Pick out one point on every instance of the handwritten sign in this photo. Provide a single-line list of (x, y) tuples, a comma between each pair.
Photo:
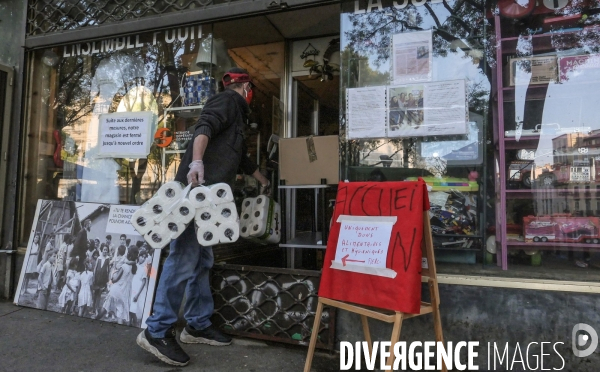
[(367, 112), (390, 276), (119, 219), (125, 134), (363, 245)]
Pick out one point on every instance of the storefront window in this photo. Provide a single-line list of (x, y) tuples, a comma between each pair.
[(415, 104), (516, 189), (108, 120), (547, 72)]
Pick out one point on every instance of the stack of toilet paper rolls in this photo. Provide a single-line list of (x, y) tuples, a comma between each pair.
[(167, 213), (216, 216), (164, 216), (260, 220)]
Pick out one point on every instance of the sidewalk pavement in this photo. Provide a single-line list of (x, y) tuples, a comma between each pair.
[(36, 340)]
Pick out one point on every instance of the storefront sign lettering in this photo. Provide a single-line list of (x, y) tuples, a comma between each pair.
[(381, 4), (134, 41)]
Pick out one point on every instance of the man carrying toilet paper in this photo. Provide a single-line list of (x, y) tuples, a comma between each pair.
[(218, 151)]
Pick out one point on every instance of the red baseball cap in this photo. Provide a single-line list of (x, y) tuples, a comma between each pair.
[(233, 77)]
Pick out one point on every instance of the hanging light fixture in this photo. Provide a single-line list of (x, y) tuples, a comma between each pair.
[(207, 54), (213, 56)]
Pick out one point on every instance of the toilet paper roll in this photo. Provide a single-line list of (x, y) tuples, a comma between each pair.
[(220, 193), (206, 216), (184, 211), (226, 212), (246, 217), (261, 202), (157, 206), (207, 234), (200, 197), (245, 229), (257, 228), (261, 208), (174, 225), (142, 220), (158, 237), (248, 204), (229, 232), (170, 191)]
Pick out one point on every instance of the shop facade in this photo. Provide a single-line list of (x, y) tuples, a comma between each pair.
[(492, 104)]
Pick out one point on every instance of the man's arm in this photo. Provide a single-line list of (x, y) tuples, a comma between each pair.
[(200, 143), (260, 178), (196, 174)]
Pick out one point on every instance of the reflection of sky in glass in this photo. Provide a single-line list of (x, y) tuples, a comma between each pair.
[(571, 104), (455, 65)]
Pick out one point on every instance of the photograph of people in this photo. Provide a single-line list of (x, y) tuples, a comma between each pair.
[(406, 114), (72, 273)]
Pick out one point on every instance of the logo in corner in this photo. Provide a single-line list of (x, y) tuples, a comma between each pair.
[(583, 335)]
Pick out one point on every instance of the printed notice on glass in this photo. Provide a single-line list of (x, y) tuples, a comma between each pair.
[(412, 57), (428, 109), (367, 112), (363, 245), (125, 134)]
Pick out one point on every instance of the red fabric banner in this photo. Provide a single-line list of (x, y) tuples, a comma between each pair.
[(407, 201)]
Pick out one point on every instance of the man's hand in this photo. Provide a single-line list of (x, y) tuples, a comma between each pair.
[(195, 176), (266, 189)]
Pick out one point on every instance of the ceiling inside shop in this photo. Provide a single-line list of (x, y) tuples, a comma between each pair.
[(257, 44)]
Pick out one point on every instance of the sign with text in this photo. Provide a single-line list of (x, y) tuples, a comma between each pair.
[(125, 134), (365, 229), (63, 230), (119, 219), (363, 245)]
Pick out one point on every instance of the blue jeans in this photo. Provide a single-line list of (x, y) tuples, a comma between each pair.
[(186, 270)]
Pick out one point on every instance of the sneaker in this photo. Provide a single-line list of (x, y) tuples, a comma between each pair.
[(210, 336), (166, 349)]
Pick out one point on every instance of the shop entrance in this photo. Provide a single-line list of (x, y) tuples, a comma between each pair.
[(293, 58)]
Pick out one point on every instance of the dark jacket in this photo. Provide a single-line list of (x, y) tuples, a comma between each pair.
[(79, 248), (101, 273), (222, 120)]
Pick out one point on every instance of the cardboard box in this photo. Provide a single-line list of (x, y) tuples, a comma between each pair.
[(296, 168), (543, 70)]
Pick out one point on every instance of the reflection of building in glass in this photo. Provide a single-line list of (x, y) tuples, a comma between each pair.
[(571, 183)]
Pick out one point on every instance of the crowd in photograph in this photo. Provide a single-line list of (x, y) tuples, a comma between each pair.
[(406, 109), (102, 279)]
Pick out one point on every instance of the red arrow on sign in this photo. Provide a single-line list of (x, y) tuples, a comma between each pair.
[(345, 258)]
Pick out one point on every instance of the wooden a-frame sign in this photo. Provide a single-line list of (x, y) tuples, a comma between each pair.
[(384, 311)]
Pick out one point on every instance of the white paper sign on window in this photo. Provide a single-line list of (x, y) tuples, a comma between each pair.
[(367, 112), (363, 245), (412, 57), (125, 134), (428, 109)]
